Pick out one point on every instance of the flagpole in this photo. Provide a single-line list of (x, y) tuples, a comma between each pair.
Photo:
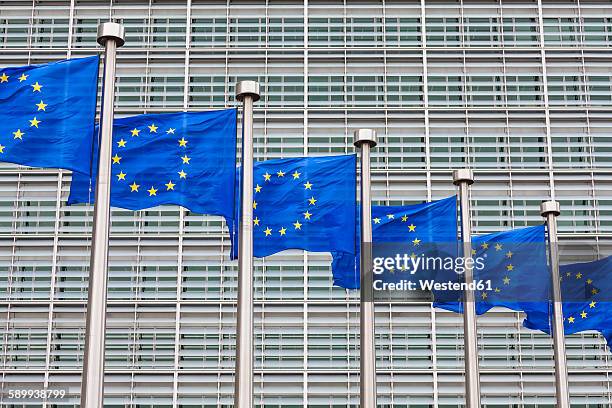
[(111, 36), (550, 210), (365, 139), (247, 92), (463, 178)]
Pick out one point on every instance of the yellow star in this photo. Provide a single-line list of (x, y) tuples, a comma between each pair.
[(296, 175), (121, 143), (308, 185), (510, 267), (404, 218), (280, 173), (509, 254), (257, 188), (152, 128), (256, 221), (283, 231), (484, 295), (135, 132), (312, 201), (297, 225), (376, 220), (497, 290), (589, 281), (182, 142), (37, 87), (182, 174), (473, 252), (170, 131), (411, 228), (186, 159), (594, 291), (307, 215), (41, 106), (498, 247), (254, 205), (116, 159), (22, 78), (571, 319), (390, 216), (578, 275), (134, 187), (34, 122), (268, 231), (121, 176), (485, 246), (18, 134), (267, 176), (170, 185), (592, 304), (416, 242), (506, 280), (152, 191), (568, 274), (2, 149), (4, 78), (583, 314)]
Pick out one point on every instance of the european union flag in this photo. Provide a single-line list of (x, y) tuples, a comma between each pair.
[(586, 289), (302, 203), (184, 158), (418, 226), (512, 270), (48, 112)]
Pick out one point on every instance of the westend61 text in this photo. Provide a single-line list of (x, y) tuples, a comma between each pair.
[(430, 284)]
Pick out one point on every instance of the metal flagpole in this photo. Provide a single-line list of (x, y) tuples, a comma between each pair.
[(366, 139), (111, 35), (464, 178), (550, 211), (247, 92)]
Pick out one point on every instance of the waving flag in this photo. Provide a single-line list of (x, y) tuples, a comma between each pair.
[(302, 203), (427, 225), (513, 270), (47, 114), (183, 158), (587, 302)]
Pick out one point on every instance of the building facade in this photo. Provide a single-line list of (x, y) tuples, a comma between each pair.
[(521, 91)]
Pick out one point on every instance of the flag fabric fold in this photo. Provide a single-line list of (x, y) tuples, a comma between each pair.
[(183, 158), (48, 113), (302, 203)]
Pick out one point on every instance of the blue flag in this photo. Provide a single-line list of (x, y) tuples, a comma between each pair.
[(47, 114), (302, 203), (587, 303), (512, 270), (430, 225), (184, 158)]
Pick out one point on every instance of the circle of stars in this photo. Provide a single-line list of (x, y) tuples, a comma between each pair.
[(591, 290), (151, 130), (300, 220), (509, 267), (41, 107)]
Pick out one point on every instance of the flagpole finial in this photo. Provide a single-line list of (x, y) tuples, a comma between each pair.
[(365, 136), (550, 207), (111, 31), (463, 176), (245, 88)]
